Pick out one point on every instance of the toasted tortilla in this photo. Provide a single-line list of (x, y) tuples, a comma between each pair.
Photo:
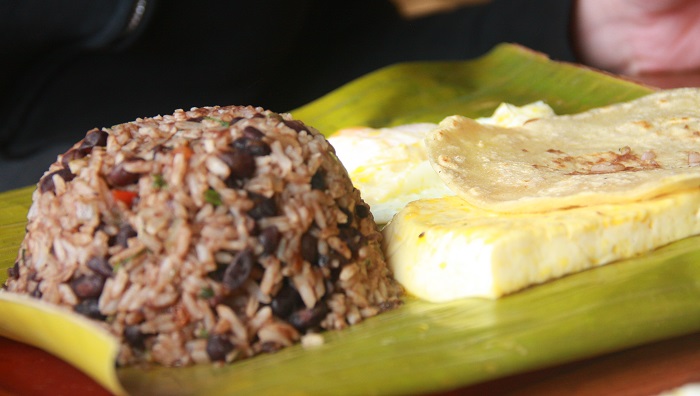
[(615, 154)]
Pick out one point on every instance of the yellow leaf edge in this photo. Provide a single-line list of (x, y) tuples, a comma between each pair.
[(77, 340)]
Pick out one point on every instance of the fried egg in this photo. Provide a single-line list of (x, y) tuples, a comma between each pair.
[(455, 247)]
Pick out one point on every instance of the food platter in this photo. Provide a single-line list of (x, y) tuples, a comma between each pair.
[(421, 347)]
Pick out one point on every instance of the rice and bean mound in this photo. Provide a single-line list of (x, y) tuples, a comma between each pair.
[(208, 235)]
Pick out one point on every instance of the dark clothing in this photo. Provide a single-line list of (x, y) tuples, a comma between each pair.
[(69, 66)]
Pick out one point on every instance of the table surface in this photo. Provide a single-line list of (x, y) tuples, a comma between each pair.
[(644, 370)]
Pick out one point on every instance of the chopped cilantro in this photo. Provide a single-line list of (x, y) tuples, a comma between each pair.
[(126, 260), (206, 292), (222, 122), (213, 197), (202, 333), (159, 182)]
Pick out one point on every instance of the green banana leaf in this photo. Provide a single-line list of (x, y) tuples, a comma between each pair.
[(425, 347), (430, 91)]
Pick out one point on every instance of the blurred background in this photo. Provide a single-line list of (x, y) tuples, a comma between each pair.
[(60, 83)]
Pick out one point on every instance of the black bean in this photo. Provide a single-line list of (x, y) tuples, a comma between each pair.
[(94, 138), (134, 337), (286, 301), (124, 234), (218, 346), (296, 125), (218, 273), (330, 285), (100, 266), (224, 258), (269, 239), (88, 286), (352, 237), (263, 206), (119, 177), (361, 210), (234, 183), (324, 260), (309, 248), (196, 119), (71, 155), (252, 133), (309, 318), (240, 143), (254, 147), (270, 347), (46, 184), (36, 293), (252, 226), (239, 270), (90, 308), (318, 180), (13, 272), (235, 120), (258, 148), (241, 164)]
